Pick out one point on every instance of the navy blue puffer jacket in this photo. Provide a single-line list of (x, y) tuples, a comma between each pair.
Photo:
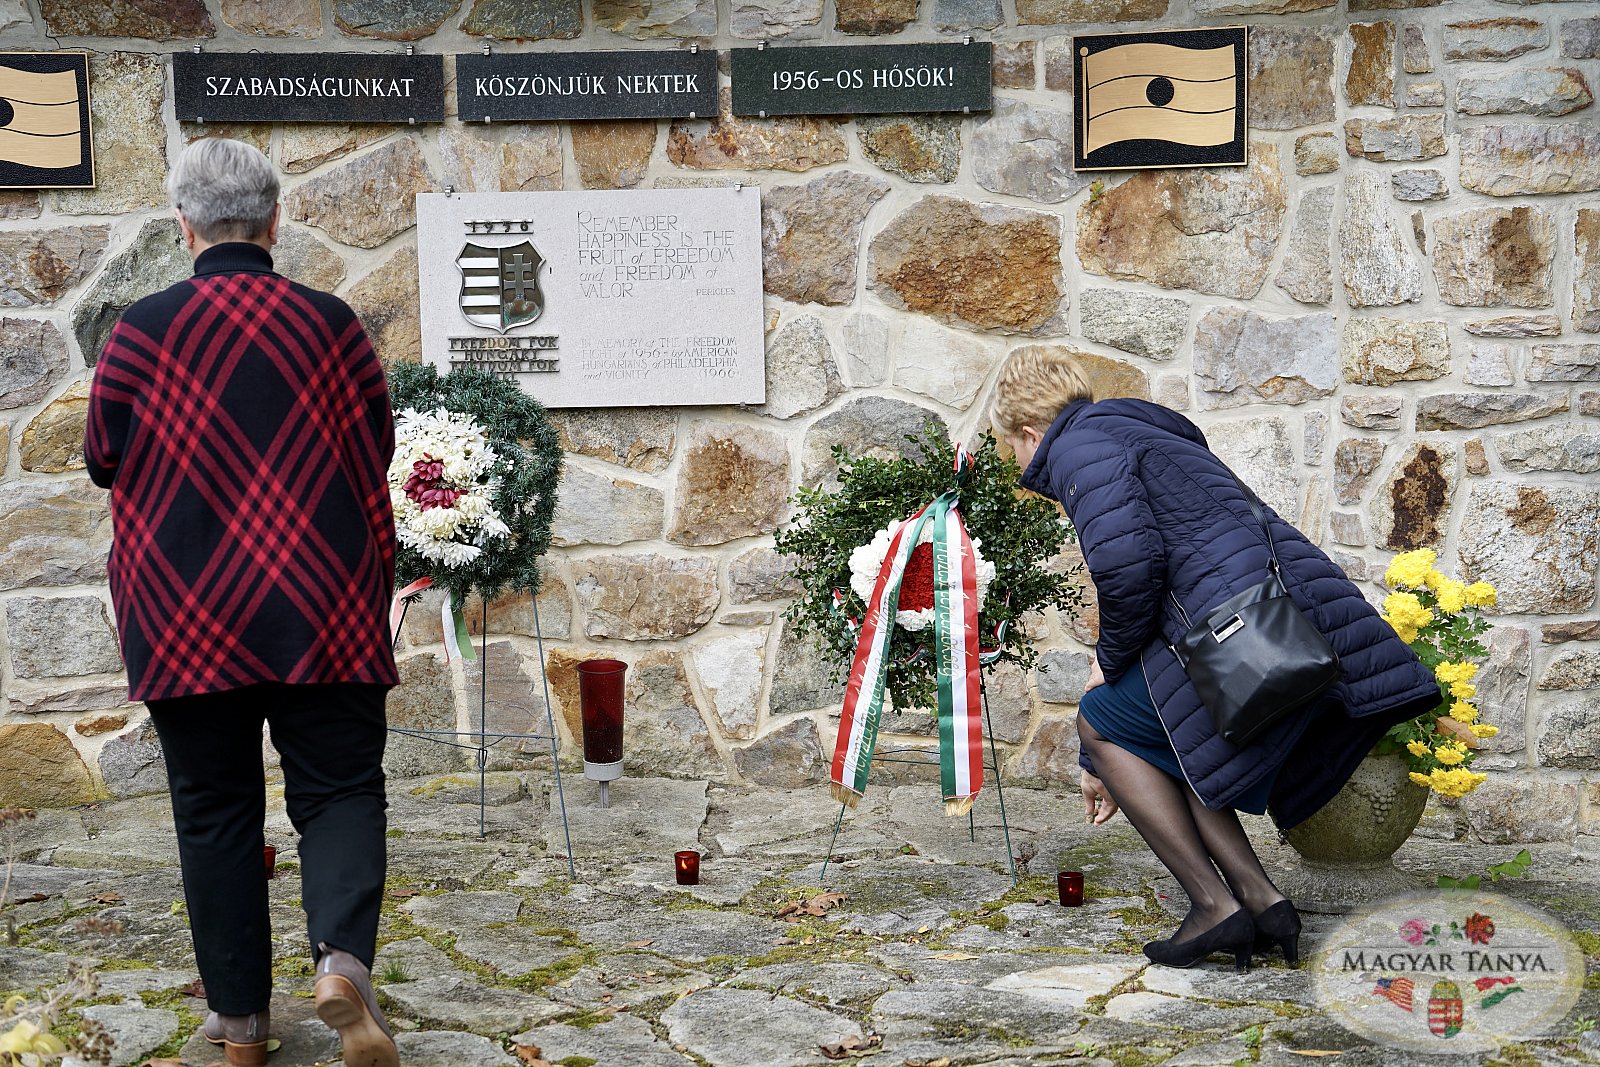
[(1157, 514)]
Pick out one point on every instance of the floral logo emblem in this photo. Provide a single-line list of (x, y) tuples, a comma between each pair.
[(1449, 971)]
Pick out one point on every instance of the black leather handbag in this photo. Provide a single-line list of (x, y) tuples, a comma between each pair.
[(1255, 659)]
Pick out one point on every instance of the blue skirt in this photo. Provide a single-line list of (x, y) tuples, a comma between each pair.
[(1123, 713)]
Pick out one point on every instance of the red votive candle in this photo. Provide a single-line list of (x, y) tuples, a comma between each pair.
[(600, 683), (1069, 886), (686, 865), (269, 855)]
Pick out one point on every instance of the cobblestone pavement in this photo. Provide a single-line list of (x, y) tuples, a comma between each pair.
[(931, 958)]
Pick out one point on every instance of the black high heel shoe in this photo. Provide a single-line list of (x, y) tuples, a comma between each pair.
[(1236, 935), (1279, 925)]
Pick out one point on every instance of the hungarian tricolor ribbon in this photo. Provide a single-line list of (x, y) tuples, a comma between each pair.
[(957, 654), (457, 641), (397, 606)]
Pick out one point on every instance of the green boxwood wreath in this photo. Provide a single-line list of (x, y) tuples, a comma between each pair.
[(1021, 534), (529, 468)]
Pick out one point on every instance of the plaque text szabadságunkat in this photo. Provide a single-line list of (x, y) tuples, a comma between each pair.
[(308, 87)]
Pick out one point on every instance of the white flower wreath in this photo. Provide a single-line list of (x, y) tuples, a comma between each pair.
[(442, 482), (867, 560)]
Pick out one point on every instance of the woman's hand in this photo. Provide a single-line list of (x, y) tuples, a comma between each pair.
[(1096, 678), (1098, 806)]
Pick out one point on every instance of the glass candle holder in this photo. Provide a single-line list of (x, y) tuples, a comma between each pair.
[(686, 866), (269, 856), (600, 685), (1069, 887)]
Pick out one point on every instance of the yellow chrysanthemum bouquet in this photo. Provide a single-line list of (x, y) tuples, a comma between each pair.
[(1439, 618)]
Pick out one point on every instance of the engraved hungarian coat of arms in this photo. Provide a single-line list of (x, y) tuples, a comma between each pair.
[(500, 286)]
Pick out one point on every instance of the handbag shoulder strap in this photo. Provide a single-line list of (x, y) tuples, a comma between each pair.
[(1260, 515), (1266, 528)]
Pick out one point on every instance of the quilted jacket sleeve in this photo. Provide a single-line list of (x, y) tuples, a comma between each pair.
[(1096, 477)]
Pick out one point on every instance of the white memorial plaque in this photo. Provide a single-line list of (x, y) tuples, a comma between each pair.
[(598, 299)]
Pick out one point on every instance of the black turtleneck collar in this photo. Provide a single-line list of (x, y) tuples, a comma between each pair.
[(233, 257)]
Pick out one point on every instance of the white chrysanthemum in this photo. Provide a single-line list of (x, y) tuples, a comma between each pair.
[(867, 560), (453, 536)]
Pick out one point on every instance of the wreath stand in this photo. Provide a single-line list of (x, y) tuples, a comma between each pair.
[(479, 742), (992, 765)]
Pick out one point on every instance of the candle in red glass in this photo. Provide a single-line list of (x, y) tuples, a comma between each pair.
[(600, 696), (269, 855), (686, 865), (1069, 886)]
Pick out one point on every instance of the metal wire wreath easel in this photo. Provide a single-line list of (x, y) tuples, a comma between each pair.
[(482, 739), (891, 755)]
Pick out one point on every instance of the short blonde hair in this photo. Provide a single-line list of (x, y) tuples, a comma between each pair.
[(1035, 384)]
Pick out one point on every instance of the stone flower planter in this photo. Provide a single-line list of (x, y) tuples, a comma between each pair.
[(1346, 849)]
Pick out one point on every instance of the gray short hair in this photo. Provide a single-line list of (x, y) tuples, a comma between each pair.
[(225, 189)]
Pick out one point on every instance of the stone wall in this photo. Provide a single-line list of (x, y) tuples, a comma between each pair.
[(1389, 321)]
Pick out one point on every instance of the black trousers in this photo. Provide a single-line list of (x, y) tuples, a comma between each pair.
[(331, 739)]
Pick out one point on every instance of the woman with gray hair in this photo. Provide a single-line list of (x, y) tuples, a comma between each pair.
[(241, 422)]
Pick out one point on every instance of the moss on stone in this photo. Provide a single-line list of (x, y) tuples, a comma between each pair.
[(553, 973)]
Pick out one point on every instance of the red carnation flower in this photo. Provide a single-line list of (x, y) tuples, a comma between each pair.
[(916, 587)]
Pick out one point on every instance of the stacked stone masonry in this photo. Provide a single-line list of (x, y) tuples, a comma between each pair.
[(1389, 320)]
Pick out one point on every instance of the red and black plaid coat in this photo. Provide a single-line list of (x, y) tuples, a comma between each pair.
[(241, 422)]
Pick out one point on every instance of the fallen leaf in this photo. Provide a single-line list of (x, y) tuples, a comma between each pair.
[(820, 904), (401, 894), (108, 897), (639, 944), (34, 899), (1459, 730), (851, 1046), (956, 956), (196, 989), (1319, 1052), (530, 1055), (924, 929)]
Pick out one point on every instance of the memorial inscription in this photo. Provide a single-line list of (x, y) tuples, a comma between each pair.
[(585, 298), (862, 79), (307, 87), (561, 86)]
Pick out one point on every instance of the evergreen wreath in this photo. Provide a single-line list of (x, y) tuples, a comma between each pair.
[(526, 470), (1020, 532)]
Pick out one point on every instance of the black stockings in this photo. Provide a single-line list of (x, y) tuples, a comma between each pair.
[(1189, 838)]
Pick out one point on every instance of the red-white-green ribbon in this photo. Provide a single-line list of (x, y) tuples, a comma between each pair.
[(457, 640), (957, 656), (397, 606)]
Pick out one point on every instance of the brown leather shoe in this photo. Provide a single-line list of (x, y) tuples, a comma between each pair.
[(242, 1037), (346, 1003)]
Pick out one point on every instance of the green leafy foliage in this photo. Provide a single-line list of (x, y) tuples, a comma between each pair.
[(1020, 535), (528, 467), (1515, 867)]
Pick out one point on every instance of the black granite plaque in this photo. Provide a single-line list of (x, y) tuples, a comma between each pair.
[(46, 133), (555, 86), (307, 87), (862, 79), (1160, 98)]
